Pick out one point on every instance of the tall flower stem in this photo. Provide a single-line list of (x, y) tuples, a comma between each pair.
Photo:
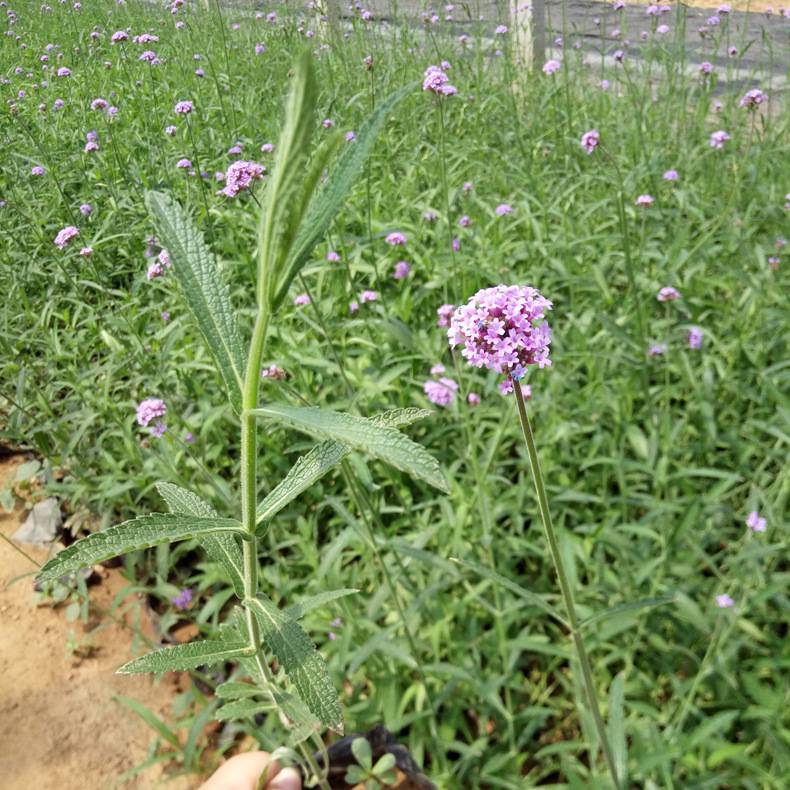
[(562, 578), (249, 453)]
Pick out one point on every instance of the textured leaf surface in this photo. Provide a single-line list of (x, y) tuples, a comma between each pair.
[(206, 294), (182, 657), (297, 611), (139, 533), (301, 662), (243, 709), (222, 549), (327, 202), (382, 442), (321, 459)]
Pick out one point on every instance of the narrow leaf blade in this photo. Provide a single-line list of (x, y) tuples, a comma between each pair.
[(627, 607), (382, 442), (206, 653), (301, 662), (206, 294), (139, 533), (298, 611)]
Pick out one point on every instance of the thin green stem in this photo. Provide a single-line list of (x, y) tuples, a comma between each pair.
[(562, 577)]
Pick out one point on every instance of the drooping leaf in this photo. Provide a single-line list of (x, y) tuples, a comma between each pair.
[(382, 442), (142, 532), (300, 661), (206, 653), (328, 201), (627, 607), (298, 611), (206, 294), (321, 459), (502, 581), (222, 549)]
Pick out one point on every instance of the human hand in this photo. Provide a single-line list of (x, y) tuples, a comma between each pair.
[(243, 772)]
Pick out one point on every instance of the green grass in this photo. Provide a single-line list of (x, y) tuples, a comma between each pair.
[(651, 464)]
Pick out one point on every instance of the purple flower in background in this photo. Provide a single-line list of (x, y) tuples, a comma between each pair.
[(165, 316), (267, 148), (368, 296), (668, 294), (590, 140), (333, 257), (350, 137), (240, 177), (150, 409), (301, 300), (503, 328), (694, 337), (501, 30), (274, 373), (437, 369), (327, 123), (58, 104), (64, 72), (189, 437), (65, 236), (353, 307), (551, 66), (717, 139), (86, 252), (184, 164), (183, 108), (645, 201), (198, 72), (445, 313), (671, 175), (456, 245), (154, 270), (396, 239), (753, 99), (441, 392), (37, 170), (170, 131), (473, 399), (183, 599), (159, 429), (260, 49), (119, 36), (619, 56), (402, 270), (436, 81), (724, 601), (432, 216), (99, 104), (465, 221), (755, 522), (657, 350), (468, 186), (706, 68), (503, 209)]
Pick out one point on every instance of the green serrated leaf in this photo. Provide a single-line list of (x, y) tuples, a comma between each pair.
[(142, 532), (502, 581), (242, 709), (206, 294), (234, 689), (301, 662), (382, 442), (321, 459), (177, 658), (298, 611), (222, 549), (328, 201)]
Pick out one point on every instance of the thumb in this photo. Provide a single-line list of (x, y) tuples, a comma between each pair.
[(287, 779)]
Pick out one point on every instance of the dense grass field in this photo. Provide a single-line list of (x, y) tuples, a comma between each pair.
[(661, 425)]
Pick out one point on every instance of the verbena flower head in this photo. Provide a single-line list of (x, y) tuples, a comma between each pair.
[(590, 140), (301, 300), (724, 601), (65, 236), (402, 270), (473, 399), (694, 337), (149, 410), (183, 108), (668, 294), (717, 139), (119, 36), (657, 350), (706, 67), (502, 328), (441, 392), (645, 201), (671, 175), (503, 209), (436, 81), (551, 66), (37, 170), (753, 99), (183, 599), (240, 177), (445, 313), (368, 296), (396, 239), (755, 522), (184, 164)]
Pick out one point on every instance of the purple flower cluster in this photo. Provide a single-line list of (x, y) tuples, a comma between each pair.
[(441, 392), (668, 294), (590, 140), (502, 328), (65, 236), (183, 599), (150, 409), (436, 81), (240, 177), (753, 99)]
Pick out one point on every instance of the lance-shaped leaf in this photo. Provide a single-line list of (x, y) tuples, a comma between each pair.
[(382, 442), (206, 653), (321, 459), (206, 294), (223, 549), (298, 610), (301, 662), (139, 533), (613, 611), (328, 201)]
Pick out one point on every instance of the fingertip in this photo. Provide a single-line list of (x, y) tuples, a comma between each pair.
[(286, 779)]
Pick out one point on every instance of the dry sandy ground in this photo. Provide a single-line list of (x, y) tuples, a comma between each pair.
[(59, 726)]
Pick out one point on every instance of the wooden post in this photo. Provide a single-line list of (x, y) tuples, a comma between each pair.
[(538, 25), (528, 28)]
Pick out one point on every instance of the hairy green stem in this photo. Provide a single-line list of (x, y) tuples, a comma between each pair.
[(562, 578)]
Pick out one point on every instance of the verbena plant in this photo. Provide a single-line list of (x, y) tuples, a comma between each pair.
[(296, 214)]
